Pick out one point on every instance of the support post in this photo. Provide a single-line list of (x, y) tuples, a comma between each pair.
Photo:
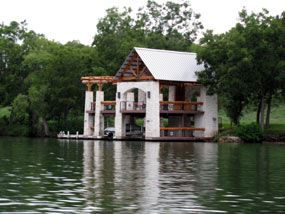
[(99, 118), (171, 93), (119, 115), (88, 118), (152, 111)]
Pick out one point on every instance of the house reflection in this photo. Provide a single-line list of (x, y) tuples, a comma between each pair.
[(128, 177), (121, 173)]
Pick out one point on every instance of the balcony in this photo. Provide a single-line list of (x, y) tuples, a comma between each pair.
[(109, 107), (132, 107), (178, 131), (180, 107)]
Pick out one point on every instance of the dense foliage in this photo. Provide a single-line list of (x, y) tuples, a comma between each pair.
[(40, 79), (40, 88), (251, 133), (246, 64)]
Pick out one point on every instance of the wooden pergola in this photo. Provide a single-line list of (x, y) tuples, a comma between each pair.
[(99, 80)]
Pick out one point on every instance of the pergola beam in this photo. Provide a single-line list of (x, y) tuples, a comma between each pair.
[(99, 80)]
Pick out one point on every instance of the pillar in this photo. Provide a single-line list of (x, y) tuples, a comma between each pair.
[(171, 93), (88, 118), (208, 120), (161, 118), (119, 115), (99, 118), (152, 110), (173, 121)]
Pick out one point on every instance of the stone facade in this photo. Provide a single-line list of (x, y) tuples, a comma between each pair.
[(148, 93), (208, 120), (88, 119), (99, 118)]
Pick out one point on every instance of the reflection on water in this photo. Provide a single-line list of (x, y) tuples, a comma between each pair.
[(54, 176)]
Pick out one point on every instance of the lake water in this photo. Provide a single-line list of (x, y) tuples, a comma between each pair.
[(61, 176)]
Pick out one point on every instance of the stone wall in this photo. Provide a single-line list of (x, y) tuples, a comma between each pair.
[(152, 120)]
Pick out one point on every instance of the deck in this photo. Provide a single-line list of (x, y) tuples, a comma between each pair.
[(136, 138)]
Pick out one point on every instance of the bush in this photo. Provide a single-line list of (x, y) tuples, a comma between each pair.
[(216, 138), (251, 133)]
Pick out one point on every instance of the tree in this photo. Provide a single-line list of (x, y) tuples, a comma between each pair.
[(15, 43), (54, 87), (177, 23), (244, 62), (171, 26)]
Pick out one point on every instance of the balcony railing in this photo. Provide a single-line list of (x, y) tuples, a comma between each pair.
[(133, 106), (109, 105), (180, 106), (178, 131)]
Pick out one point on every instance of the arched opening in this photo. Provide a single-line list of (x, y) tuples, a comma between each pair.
[(134, 106)]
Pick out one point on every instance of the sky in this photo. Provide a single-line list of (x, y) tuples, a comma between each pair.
[(68, 20)]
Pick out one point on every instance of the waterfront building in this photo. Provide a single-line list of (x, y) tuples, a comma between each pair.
[(159, 88)]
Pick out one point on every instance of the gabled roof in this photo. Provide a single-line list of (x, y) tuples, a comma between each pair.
[(164, 65)]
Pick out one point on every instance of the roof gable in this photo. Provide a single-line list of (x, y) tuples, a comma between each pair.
[(160, 64)]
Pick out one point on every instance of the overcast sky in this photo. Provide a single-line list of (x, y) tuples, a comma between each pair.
[(67, 20)]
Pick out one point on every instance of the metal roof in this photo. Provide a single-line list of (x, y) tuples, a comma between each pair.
[(168, 65)]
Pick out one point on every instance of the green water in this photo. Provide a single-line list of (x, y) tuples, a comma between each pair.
[(53, 176)]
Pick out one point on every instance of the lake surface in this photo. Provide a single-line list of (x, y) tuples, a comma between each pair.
[(61, 176)]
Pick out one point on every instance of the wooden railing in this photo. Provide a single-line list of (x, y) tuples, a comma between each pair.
[(109, 105), (126, 105), (113, 103), (178, 131), (179, 105), (181, 128)]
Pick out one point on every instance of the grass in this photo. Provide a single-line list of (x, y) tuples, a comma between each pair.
[(277, 118)]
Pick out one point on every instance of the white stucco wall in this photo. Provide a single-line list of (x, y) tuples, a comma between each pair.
[(130, 100), (208, 120), (141, 96), (88, 118)]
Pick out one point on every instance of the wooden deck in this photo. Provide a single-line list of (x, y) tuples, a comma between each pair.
[(137, 138), (167, 112)]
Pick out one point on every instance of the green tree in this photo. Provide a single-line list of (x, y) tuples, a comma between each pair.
[(15, 43), (171, 26), (54, 86), (20, 106), (245, 63)]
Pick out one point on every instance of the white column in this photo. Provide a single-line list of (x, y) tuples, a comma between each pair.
[(171, 93), (161, 118), (99, 118), (88, 118), (119, 115), (208, 120), (152, 111)]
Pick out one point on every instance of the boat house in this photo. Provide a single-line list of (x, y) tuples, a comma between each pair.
[(158, 88)]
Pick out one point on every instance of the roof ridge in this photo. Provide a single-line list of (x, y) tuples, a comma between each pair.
[(169, 51)]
